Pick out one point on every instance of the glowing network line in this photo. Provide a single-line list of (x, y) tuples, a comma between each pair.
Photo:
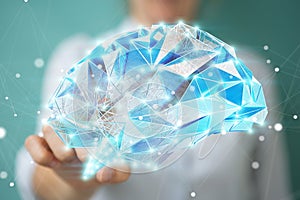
[(142, 98)]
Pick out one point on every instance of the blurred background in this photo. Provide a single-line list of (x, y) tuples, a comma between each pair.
[(30, 30)]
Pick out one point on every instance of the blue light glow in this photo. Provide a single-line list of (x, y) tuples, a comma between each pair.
[(144, 97)]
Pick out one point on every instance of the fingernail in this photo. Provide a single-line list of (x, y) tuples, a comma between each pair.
[(107, 174)]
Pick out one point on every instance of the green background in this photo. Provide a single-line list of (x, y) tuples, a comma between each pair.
[(32, 30)]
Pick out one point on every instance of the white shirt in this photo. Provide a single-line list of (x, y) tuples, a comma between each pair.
[(219, 167)]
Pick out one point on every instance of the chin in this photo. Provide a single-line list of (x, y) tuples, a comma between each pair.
[(168, 18)]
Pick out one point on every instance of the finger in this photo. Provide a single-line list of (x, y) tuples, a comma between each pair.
[(81, 154), (40, 151), (60, 151), (109, 175)]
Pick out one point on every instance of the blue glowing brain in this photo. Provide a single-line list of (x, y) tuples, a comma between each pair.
[(144, 97)]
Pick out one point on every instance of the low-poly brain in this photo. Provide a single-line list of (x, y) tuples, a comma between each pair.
[(144, 97)]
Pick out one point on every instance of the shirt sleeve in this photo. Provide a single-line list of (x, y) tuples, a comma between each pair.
[(24, 171), (66, 54), (271, 180)]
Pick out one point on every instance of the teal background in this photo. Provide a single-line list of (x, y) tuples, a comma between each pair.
[(33, 29)]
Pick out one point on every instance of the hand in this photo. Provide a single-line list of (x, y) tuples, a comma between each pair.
[(64, 165)]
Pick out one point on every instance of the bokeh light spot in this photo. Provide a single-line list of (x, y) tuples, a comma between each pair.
[(255, 165), (2, 132)]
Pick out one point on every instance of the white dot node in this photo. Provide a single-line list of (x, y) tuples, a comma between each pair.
[(6, 98), (193, 194), (15, 115), (2, 132), (18, 75), (3, 175), (140, 117), (269, 127), (210, 74), (26, 1), (38, 112), (155, 106), (179, 123), (278, 127), (276, 69), (62, 70), (223, 132), (231, 77), (268, 61), (261, 138), (255, 165), (295, 116), (88, 52), (44, 121), (266, 47), (173, 92), (192, 88), (11, 184), (39, 62)]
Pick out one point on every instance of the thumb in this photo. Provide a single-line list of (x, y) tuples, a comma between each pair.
[(110, 175)]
